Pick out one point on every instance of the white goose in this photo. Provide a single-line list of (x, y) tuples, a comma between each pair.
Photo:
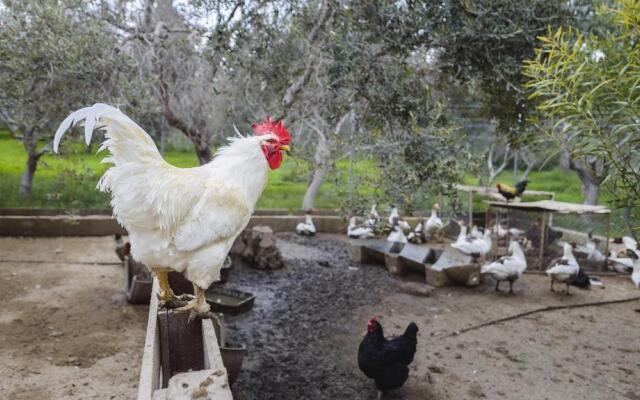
[(397, 232), (508, 268), (434, 223), (306, 228), (476, 247), (565, 269), (358, 232)]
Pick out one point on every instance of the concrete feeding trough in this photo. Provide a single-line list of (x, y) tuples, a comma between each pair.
[(373, 251), (438, 262), (453, 268), (181, 360)]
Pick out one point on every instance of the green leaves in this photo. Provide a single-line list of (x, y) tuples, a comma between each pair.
[(588, 85)]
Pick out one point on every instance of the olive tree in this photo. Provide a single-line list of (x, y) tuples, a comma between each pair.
[(55, 58)]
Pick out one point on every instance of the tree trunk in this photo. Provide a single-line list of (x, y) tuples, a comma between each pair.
[(203, 152), (321, 162), (30, 142), (312, 191), (590, 190), (590, 184), (322, 159), (26, 181)]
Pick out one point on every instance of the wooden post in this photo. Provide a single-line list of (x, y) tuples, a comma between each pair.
[(606, 243), (543, 238), (150, 370), (470, 208)]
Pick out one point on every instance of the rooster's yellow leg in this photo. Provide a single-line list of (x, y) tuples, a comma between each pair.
[(164, 293), (199, 304)]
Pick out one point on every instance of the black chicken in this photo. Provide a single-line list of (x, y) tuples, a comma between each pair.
[(386, 361), (510, 192)]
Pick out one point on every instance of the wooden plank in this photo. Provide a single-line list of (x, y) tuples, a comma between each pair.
[(181, 345), (212, 355), (150, 369)]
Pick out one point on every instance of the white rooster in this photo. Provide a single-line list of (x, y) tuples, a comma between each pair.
[(181, 219)]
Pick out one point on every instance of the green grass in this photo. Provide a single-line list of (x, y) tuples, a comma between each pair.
[(68, 180)]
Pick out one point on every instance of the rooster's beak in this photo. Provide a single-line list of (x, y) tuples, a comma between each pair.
[(284, 147)]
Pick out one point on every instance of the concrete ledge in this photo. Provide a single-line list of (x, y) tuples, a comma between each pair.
[(103, 225)]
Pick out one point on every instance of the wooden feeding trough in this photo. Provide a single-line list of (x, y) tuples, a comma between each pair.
[(181, 360)]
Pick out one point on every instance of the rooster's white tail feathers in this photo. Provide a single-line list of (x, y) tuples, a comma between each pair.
[(126, 141)]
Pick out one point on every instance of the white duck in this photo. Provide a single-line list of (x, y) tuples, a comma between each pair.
[(502, 232), (373, 218), (417, 235), (508, 268), (499, 230), (358, 232), (476, 247), (475, 233), (624, 265), (564, 269), (397, 233), (462, 236), (395, 214), (630, 243), (434, 223), (635, 275), (515, 232), (306, 228)]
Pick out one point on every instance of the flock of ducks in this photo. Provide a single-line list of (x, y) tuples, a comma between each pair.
[(477, 243)]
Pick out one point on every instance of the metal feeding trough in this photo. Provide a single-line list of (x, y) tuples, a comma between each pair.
[(229, 301)]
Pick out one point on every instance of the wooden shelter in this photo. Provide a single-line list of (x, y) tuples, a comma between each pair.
[(546, 209)]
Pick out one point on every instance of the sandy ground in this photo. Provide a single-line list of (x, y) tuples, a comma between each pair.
[(66, 331)]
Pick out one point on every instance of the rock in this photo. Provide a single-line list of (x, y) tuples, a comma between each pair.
[(416, 289), (258, 249)]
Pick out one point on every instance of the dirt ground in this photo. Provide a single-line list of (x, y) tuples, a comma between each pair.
[(304, 331), (67, 332)]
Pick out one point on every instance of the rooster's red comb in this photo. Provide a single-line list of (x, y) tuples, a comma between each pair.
[(271, 126)]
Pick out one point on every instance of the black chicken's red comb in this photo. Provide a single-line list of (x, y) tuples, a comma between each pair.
[(271, 126)]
